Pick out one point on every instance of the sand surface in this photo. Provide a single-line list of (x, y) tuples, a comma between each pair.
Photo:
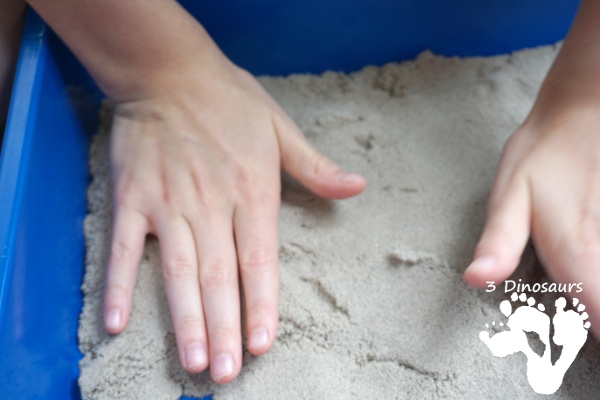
[(372, 302)]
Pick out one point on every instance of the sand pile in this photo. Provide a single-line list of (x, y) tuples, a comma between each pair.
[(372, 302)]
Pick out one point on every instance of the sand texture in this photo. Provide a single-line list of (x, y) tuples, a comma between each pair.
[(372, 302)]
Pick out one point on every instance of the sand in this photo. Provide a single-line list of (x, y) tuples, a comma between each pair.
[(372, 301)]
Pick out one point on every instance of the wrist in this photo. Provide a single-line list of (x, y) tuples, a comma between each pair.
[(133, 49), (167, 75)]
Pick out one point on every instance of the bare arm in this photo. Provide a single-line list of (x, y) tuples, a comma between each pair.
[(573, 79), (132, 48), (12, 13), (548, 182), (196, 149)]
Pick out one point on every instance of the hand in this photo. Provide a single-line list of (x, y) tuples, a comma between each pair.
[(197, 164), (196, 151), (547, 185), (548, 182)]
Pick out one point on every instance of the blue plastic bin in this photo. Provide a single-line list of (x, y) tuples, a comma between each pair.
[(43, 164)]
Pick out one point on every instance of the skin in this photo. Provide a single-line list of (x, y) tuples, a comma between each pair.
[(548, 182), (12, 14), (196, 151)]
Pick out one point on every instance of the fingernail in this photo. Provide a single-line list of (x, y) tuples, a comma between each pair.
[(349, 178), (482, 264), (259, 338), (195, 355), (222, 366), (113, 319)]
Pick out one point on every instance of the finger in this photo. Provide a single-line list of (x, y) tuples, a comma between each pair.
[(220, 294), (504, 236), (255, 226), (127, 246), (180, 271), (315, 171)]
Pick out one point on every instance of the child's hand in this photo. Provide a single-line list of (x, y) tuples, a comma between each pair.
[(197, 146), (198, 166), (548, 182), (548, 185)]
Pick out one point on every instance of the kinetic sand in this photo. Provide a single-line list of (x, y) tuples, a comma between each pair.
[(372, 302)]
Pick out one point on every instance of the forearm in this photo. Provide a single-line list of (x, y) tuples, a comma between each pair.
[(132, 48), (11, 21), (574, 78)]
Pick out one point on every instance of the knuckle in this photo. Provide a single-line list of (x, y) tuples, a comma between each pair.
[(116, 289), (262, 309), (117, 294), (521, 139), (575, 253), (120, 252), (252, 185), (178, 268), (512, 143), (224, 334), (244, 174), (585, 246), (257, 261), (211, 197), (260, 195), (585, 242), (319, 164), (192, 324), (216, 274), (125, 192), (496, 236)]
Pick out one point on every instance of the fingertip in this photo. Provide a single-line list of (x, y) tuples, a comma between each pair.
[(351, 185), (340, 186), (486, 269), (117, 305), (194, 357), (113, 320), (479, 271), (352, 180), (503, 239), (320, 174), (127, 245), (223, 369), (259, 341)]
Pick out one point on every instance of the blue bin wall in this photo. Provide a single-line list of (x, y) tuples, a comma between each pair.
[(43, 164), (276, 37), (43, 179)]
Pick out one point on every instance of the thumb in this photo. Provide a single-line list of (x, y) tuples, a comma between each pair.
[(315, 171), (504, 236)]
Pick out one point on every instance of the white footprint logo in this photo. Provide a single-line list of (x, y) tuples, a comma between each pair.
[(570, 332)]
